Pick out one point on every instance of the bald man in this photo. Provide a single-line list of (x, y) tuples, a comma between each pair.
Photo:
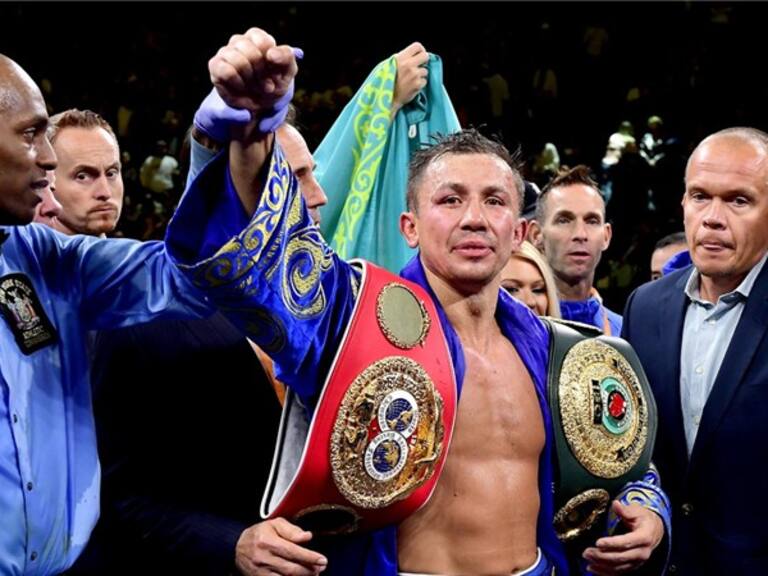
[(700, 333)]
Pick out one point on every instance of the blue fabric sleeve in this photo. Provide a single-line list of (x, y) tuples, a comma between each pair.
[(648, 494), (273, 278), (200, 156), (115, 282)]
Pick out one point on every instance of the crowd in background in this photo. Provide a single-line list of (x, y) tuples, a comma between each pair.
[(626, 89)]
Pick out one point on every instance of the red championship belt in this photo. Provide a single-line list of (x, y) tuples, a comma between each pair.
[(376, 444)]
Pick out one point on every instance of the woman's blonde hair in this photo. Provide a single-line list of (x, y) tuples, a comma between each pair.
[(528, 251)]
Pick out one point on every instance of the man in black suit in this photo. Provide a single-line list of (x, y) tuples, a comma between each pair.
[(186, 418), (186, 421), (701, 336)]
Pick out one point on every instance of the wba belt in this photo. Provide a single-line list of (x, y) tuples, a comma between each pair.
[(604, 419), (375, 446)]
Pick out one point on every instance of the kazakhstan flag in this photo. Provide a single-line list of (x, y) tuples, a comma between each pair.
[(362, 163)]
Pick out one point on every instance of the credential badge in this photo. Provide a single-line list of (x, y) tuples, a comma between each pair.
[(25, 315)]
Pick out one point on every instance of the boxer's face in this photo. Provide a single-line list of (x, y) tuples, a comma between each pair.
[(467, 222)]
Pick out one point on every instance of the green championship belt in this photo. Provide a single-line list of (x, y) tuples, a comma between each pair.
[(604, 419)]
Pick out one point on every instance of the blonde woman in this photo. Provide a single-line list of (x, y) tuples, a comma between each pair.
[(528, 278)]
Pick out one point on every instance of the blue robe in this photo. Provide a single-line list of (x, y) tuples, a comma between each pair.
[(591, 311), (49, 468), (281, 283)]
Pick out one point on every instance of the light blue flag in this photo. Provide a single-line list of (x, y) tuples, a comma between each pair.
[(362, 163)]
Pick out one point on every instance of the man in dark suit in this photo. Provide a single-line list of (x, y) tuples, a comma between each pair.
[(701, 336), (186, 417), (186, 421)]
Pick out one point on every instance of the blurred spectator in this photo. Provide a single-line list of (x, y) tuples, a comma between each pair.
[(631, 184), (157, 172), (617, 142), (528, 277), (666, 248), (546, 164), (652, 143)]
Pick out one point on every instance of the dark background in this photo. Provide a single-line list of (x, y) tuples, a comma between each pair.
[(697, 65)]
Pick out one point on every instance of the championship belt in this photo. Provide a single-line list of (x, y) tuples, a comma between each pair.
[(376, 444), (604, 419)]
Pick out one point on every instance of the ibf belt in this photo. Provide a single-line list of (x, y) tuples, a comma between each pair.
[(373, 451), (604, 419)]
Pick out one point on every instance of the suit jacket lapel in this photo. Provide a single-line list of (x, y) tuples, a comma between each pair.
[(746, 339), (672, 323)]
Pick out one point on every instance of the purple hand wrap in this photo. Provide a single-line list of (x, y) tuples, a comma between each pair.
[(214, 117), (271, 122)]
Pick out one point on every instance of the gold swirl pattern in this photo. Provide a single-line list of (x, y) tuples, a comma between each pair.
[(296, 212), (225, 265), (272, 259), (263, 327), (280, 239), (370, 127), (417, 454), (306, 258), (646, 495), (235, 259), (652, 475)]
